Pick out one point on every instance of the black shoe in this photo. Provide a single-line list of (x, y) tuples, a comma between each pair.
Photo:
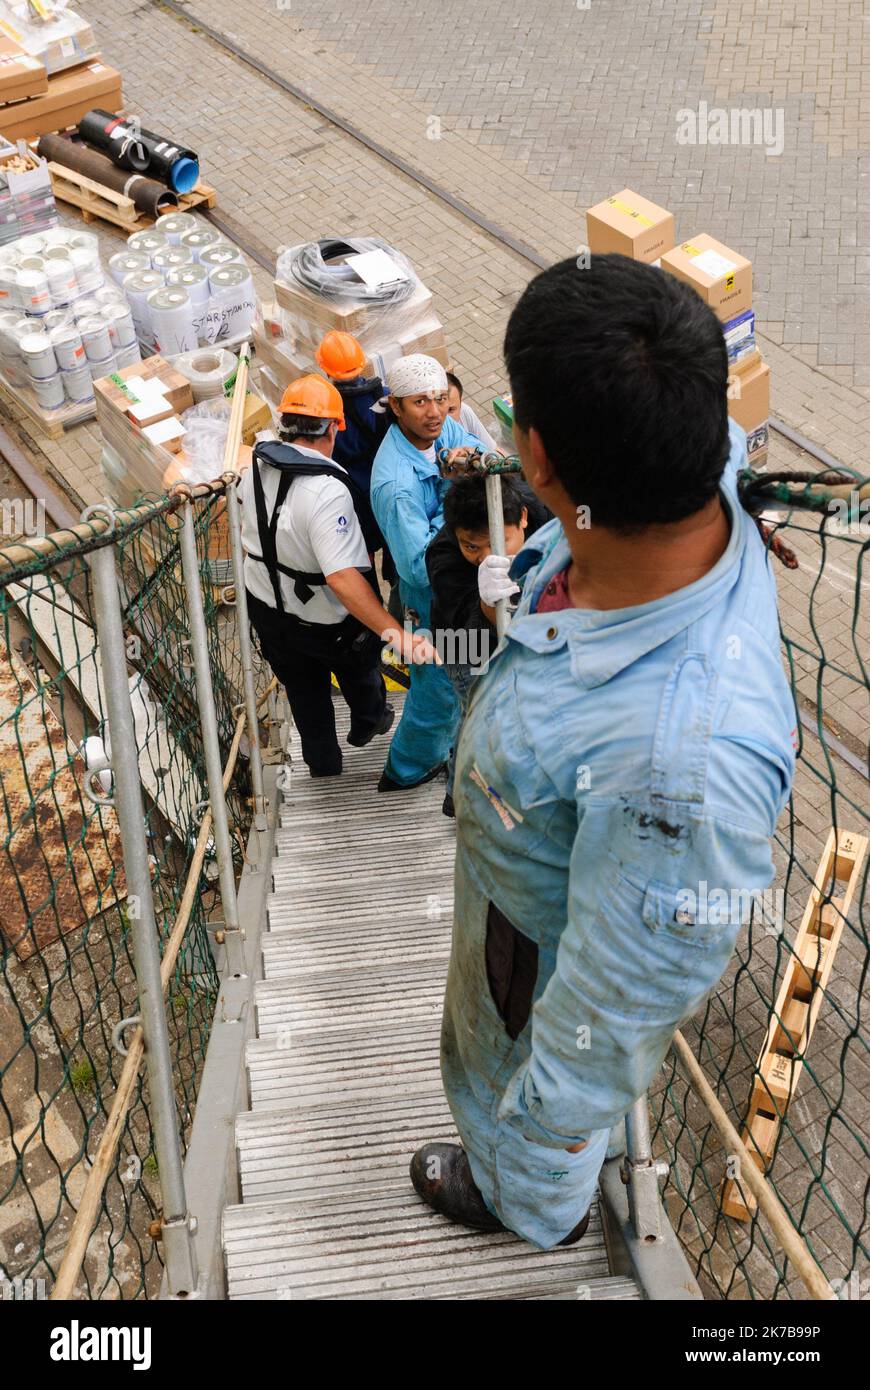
[(386, 784), (578, 1231), (447, 807), (360, 740), (441, 1174), (336, 773)]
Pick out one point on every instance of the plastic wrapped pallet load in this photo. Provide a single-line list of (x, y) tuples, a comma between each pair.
[(359, 285)]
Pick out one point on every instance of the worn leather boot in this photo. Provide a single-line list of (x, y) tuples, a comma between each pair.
[(441, 1174), (451, 1190)]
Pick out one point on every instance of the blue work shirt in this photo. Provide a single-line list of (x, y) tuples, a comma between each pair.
[(407, 496), (616, 773)]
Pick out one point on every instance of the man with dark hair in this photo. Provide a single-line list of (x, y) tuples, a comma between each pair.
[(458, 407), (630, 744), (463, 624), (308, 578), (408, 489)]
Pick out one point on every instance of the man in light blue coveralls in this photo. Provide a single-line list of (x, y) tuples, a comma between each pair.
[(628, 751), (407, 497)]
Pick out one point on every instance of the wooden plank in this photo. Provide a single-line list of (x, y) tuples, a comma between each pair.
[(798, 1002)]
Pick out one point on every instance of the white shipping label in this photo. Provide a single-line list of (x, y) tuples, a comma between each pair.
[(376, 268), (737, 334), (714, 265)]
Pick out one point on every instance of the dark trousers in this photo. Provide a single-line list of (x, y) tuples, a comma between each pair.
[(302, 655)]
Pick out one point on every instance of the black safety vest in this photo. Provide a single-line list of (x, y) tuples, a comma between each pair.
[(292, 464)]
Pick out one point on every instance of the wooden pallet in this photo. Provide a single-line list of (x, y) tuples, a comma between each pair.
[(793, 1019), (96, 201), (51, 422)]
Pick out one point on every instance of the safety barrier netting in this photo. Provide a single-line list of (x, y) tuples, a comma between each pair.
[(66, 964), (809, 1085)]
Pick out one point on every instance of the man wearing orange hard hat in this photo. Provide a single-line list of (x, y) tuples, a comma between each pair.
[(343, 360), (311, 593)]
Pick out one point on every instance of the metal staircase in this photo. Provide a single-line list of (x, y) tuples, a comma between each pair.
[(343, 1073)]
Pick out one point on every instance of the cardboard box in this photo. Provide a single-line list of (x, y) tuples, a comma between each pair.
[(21, 75), (257, 417), (722, 277), (630, 225), (749, 395), (173, 385), (323, 314), (70, 95)]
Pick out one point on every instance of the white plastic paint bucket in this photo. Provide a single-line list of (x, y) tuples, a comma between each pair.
[(148, 243), (222, 254), (78, 383), (38, 356), (172, 320), (34, 292), (172, 258), (96, 338), (127, 263), (49, 392), (175, 225), (122, 330), (86, 263), (200, 240), (68, 347), (107, 367), (128, 356), (61, 274), (137, 288)]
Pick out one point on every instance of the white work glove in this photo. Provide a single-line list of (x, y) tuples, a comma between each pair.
[(493, 580)]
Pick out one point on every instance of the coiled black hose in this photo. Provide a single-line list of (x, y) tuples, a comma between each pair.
[(317, 267)]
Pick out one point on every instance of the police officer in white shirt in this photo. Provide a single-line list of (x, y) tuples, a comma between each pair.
[(312, 593)]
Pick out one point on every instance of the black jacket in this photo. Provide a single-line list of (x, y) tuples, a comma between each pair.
[(455, 596)]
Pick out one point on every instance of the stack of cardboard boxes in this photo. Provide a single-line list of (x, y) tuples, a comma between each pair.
[(139, 412), (50, 73), (635, 227)]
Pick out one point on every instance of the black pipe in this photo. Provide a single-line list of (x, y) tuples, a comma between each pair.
[(148, 195), (130, 147)]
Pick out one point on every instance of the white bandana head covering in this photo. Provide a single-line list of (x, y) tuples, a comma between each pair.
[(416, 375)]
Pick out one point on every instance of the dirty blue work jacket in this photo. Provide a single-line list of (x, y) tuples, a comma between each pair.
[(407, 496), (613, 771)]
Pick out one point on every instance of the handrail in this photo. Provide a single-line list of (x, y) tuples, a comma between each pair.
[(82, 1226), (811, 1276)]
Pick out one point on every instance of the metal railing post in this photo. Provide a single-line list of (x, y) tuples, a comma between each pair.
[(641, 1174), (495, 515), (211, 744), (247, 657), (178, 1227)]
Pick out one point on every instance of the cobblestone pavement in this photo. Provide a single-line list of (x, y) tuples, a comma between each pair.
[(537, 114)]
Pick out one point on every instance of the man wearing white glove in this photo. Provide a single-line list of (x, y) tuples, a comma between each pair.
[(494, 582)]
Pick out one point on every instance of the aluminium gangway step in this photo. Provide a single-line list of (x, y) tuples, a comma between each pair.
[(343, 1072)]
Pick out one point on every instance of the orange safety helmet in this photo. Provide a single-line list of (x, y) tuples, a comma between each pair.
[(340, 356), (311, 395)]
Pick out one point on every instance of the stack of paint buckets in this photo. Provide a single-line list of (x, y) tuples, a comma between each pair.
[(186, 286), (62, 326)]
